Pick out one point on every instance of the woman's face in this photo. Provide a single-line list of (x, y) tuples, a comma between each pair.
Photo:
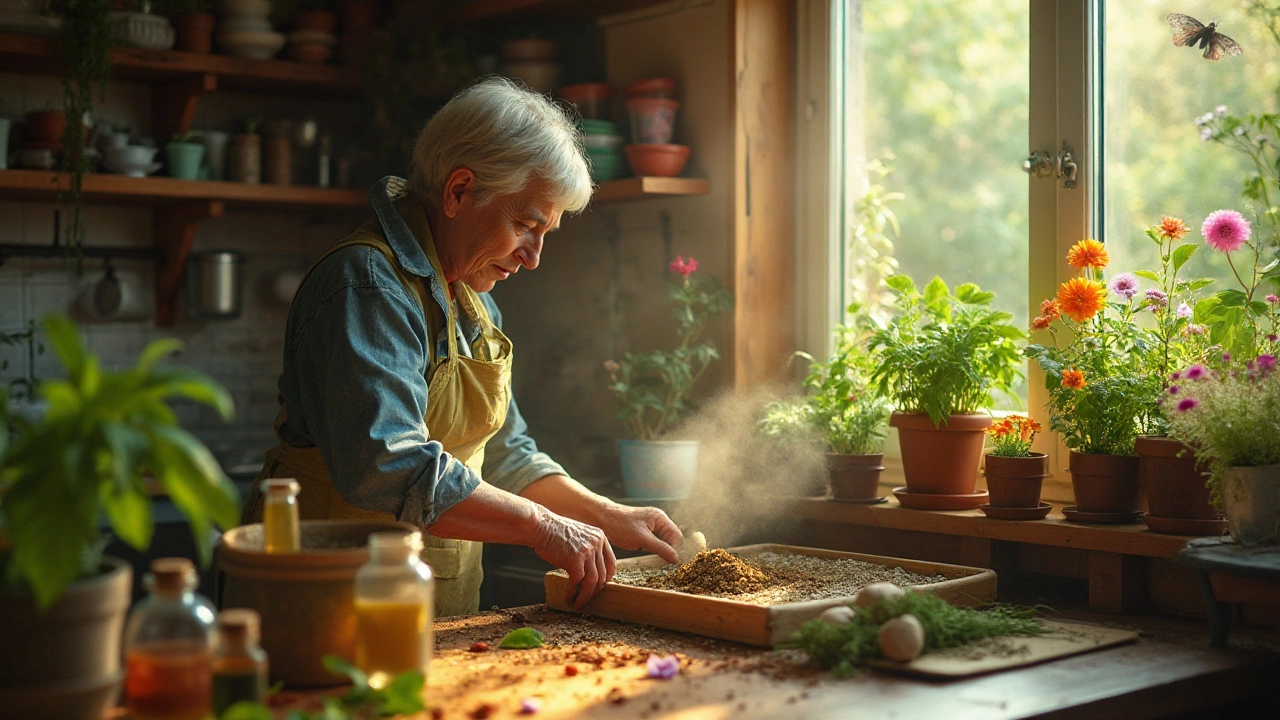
[(482, 244)]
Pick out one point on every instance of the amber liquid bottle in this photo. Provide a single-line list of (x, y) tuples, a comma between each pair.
[(281, 529), (168, 647), (395, 596), (239, 664)]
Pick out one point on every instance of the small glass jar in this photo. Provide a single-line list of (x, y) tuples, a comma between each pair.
[(394, 595), (168, 645), (281, 529), (239, 664)]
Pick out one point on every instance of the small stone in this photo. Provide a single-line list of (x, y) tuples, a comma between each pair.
[(479, 647)]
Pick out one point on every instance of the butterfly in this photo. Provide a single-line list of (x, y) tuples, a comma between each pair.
[(1187, 31)]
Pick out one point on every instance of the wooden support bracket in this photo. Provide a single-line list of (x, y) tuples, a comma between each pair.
[(174, 232), (173, 104), (1117, 583)]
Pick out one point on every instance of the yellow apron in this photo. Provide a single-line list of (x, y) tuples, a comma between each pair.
[(467, 405)]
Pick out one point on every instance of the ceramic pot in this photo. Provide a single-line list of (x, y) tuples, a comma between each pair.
[(1015, 482), (657, 160), (215, 153), (1172, 480), (1251, 501), (299, 593), (184, 159), (1105, 483), (194, 32), (658, 469), (653, 120), (64, 662), (941, 460), (855, 477), (46, 125), (244, 159), (277, 163)]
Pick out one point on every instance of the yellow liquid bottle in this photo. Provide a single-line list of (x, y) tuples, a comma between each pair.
[(394, 598), (281, 529)]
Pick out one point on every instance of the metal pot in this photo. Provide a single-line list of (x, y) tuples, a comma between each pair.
[(214, 280)]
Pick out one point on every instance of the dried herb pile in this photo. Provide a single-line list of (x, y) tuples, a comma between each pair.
[(842, 649)]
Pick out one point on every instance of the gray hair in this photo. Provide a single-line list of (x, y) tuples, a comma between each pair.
[(506, 135)]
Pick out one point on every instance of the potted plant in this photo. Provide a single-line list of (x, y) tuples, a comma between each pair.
[(942, 355), (1101, 394), (63, 603), (788, 435), (1014, 473), (185, 153), (653, 390), (193, 24), (1232, 420)]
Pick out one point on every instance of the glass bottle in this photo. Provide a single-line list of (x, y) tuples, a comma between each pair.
[(239, 664), (394, 595), (281, 532), (168, 647)]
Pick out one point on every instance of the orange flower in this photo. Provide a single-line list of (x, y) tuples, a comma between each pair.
[(1073, 379), (1173, 228), (1041, 322), (1049, 308), (1081, 298), (1087, 253)]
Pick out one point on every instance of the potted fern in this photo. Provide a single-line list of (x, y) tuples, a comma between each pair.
[(62, 601), (942, 356)]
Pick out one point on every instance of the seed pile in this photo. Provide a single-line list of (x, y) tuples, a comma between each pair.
[(770, 578)]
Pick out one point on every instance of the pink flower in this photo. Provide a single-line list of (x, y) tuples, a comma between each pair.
[(1184, 310), (1176, 376), (1187, 403), (1195, 372), (662, 668), (1266, 363), (1158, 299), (1273, 298), (1273, 337), (1226, 357), (1173, 389), (1125, 285), (682, 266), (1195, 329), (1225, 230)]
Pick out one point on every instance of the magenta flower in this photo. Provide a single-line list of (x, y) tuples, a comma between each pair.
[(1125, 285), (1273, 298), (1226, 357), (1195, 372), (662, 668), (682, 266), (1173, 389), (1187, 403), (1195, 329), (1225, 230), (530, 706), (1176, 376), (1158, 299), (1184, 310), (1266, 363), (1272, 337)]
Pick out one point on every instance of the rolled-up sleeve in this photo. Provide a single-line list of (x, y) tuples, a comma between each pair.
[(359, 362), (512, 460)]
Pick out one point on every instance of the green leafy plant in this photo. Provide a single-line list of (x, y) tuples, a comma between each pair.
[(87, 455), (845, 408), (870, 249), (1229, 417), (23, 388), (401, 696), (843, 648), (653, 388), (944, 353), (186, 136)]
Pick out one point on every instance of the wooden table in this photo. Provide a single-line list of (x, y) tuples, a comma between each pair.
[(1151, 678), (1229, 574)]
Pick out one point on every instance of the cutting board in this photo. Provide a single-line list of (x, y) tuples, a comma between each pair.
[(748, 623), (1065, 639)]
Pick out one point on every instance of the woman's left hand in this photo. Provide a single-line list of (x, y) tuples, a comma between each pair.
[(641, 528)]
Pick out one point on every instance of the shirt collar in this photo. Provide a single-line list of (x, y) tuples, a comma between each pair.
[(404, 224)]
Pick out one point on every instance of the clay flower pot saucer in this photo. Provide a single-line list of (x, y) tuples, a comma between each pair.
[(863, 501), (1101, 518), (1184, 526), (932, 501), (1006, 513)]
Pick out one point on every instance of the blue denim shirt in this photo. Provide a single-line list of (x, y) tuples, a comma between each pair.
[(356, 369)]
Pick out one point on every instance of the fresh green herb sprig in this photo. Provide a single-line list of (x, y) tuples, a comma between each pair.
[(842, 649), (521, 639), (402, 696)]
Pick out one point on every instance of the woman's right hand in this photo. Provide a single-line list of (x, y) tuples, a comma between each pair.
[(579, 549)]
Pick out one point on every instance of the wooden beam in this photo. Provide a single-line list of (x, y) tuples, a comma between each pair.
[(174, 232), (173, 104), (1117, 583)]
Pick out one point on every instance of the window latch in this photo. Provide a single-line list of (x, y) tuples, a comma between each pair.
[(1040, 164)]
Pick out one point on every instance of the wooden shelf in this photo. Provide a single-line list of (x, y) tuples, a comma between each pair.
[(161, 191), (25, 54), (638, 188), (481, 10)]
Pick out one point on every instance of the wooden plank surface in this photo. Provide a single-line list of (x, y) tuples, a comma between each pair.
[(489, 10), (101, 187), (1134, 539), (753, 624), (638, 188)]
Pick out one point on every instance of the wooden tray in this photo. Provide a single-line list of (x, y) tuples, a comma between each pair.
[(1065, 639), (760, 625)]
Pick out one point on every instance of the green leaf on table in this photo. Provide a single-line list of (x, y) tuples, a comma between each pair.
[(521, 639), (403, 695), (338, 666)]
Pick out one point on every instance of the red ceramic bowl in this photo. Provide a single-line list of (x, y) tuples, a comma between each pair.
[(591, 99), (657, 160), (661, 87)]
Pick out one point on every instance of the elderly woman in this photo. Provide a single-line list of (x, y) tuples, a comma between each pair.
[(396, 390)]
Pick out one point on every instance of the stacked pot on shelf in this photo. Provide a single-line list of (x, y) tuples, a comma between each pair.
[(651, 107), (244, 29)]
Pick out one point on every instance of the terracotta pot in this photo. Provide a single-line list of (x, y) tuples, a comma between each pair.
[(318, 20), (1014, 482), (1251, 501), (855, 477), (941, 460), (1105, 483), (305, 598), (64, 662), (46, 125), (657, 160), (194, 32), (1174, 486)]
